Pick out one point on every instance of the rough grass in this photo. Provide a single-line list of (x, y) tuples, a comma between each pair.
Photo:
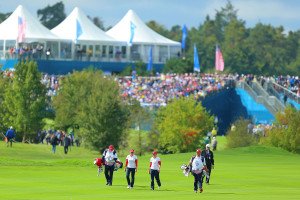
[(258, 172)]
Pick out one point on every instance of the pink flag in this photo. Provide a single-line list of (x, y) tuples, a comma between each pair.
[(21, 29), (219, 59)]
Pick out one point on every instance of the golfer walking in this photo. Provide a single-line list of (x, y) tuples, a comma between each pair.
[(109, 157), (10, 135), (209, 159), (154, 170), (130, 168), (198, 165)]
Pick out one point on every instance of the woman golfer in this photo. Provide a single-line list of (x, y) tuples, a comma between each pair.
[(154, 170), (130, 168)]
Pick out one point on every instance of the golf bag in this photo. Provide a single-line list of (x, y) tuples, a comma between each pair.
[(98, 162), (118, 165), (185, 170)]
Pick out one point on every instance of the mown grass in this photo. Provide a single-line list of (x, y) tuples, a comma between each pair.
[(30, 171)]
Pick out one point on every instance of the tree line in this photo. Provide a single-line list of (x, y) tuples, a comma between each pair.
[(262, 49), (90, 103)]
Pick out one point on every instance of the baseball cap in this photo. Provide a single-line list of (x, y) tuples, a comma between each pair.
[(198, 151), (208, 146), (111, 147), (10, 127), (154, 152)]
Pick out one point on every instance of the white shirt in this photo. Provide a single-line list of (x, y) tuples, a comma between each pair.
[(197, 164), (154, 162), (109, 157), (131, 161)]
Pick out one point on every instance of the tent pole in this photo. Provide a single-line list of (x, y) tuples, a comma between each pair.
[(59, 51), (4, 48)]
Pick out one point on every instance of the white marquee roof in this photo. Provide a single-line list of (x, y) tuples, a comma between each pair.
[(90, 33), (34, 30), (142, 33)]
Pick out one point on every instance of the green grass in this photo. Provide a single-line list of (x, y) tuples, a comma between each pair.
[(30, 171)]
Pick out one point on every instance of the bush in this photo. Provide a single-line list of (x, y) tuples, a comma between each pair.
[(239, 137), (286, 131)]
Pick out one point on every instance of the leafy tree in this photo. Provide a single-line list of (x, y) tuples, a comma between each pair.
[(266, 49), (4, 81), (178, 65), (181, 125), (138, 117), (158, 28), (24, 100), (222, 18), (175, 33), (92, 102), (51, 16), (235, 50)]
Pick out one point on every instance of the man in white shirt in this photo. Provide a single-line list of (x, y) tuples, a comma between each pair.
[(109, 157), (198, 165), (130, 168), (154, 169)]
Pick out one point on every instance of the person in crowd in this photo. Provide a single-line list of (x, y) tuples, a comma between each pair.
[(10, 135), (198, 164), (214, 143), (53, 142), (109, 157), (154, 169), (130, 168), (209, 159), (214, 132), (48, 53), (67, 143), (250, 127), (285, 98), (233, 127), (209, 135), (48, 137)]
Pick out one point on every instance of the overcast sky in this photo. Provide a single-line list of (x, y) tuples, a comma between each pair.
[(175, 12)]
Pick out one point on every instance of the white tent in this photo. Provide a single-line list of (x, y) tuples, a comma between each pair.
[(89, 32), (34, 31), (142, 33), (135, 32)]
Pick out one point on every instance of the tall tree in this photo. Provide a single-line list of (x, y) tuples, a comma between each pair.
[(24, 100), (234, 47), (92, 102), (51, 16), (206, 40), (267, 53), (223, 17)]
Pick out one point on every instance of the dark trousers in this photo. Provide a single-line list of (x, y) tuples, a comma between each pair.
[(154, 173), (128, 172), (197, 181), (109, 173), (9, 142), (209, 171), (66, 148)]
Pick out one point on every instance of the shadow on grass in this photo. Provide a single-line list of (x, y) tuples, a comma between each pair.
[(143, 187)]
